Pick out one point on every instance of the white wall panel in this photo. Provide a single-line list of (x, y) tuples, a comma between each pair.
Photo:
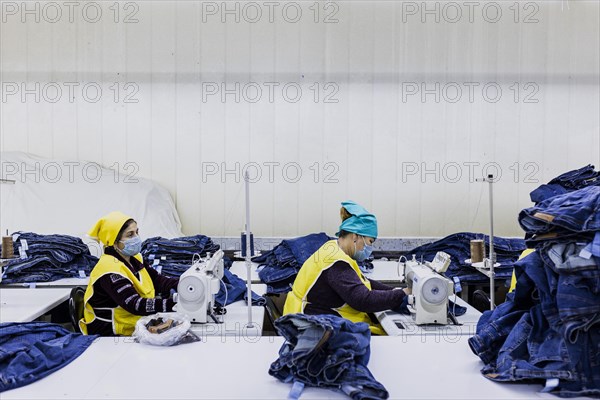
[(409, 157)]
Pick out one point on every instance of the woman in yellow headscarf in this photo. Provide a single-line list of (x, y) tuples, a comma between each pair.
[(330, 281), (122, 287)]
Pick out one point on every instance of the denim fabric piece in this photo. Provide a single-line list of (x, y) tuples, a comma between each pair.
[(32, 350), (574, 212), (549, 327), (49, 258), (458, 247), (326, 351), (236, 290)]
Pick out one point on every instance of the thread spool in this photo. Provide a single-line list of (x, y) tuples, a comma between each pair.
[(243, 237), (7, 247), (477, 251)]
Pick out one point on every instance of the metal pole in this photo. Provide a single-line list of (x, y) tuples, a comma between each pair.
[(248, 255), (492, 257)]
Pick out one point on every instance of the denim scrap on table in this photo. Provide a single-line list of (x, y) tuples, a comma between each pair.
[(32, 350)]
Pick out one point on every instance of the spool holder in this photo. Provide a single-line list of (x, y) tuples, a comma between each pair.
[(491, 259)]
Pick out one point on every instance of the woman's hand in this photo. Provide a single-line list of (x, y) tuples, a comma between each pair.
[(407, 290)]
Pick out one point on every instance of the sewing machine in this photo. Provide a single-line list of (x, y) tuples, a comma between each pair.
[(428, 303), (198, 286)]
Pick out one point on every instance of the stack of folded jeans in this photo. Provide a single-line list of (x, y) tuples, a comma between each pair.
[(45, 258), (33, 350), (278, 267), (567, 182), (458, 247), (549, 327), (326, 351), (573, 216), (172, 257)]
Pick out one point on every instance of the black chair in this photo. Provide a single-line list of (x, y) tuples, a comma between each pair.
[(481, 301), (273, 312), (76, 306)]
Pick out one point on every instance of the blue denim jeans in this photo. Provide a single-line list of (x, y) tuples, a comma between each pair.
[(326, 351), (32, 350), (549, 327), (573, 212), (177, 250), (236, 290), (458, 247), (48, 258), (544, 192), (578, 178), (567, 182)]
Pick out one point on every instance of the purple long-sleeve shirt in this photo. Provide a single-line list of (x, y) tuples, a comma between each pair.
[(339, 285)]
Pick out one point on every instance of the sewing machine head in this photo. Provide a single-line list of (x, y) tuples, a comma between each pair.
[(428, 303), (198, 286)]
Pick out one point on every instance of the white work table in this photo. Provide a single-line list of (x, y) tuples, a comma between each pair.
[(239, 268), (237, 368), (60, 283), (24, 305)]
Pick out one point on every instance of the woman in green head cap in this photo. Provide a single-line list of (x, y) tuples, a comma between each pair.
[(330, 281)]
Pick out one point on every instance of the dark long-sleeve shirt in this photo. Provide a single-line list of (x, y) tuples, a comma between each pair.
[(339, 285), (112, 290)]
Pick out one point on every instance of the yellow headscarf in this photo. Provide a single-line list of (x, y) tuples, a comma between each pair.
[(107, 228)]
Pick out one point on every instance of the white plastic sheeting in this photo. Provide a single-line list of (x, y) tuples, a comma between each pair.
[(67, 197)]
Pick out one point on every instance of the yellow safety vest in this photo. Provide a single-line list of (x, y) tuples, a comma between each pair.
[(513, 280), (311, 270), (123, 321)]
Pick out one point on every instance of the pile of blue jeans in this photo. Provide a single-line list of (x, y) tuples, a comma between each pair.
[(573, 216), (326, 351), (458, 247), (47, 258), (549, 327), (567, 182), (32, 350), (278, 267), (172, 257)]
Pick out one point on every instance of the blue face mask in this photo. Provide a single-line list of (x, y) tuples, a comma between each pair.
[(362, 255), (132, 246)]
